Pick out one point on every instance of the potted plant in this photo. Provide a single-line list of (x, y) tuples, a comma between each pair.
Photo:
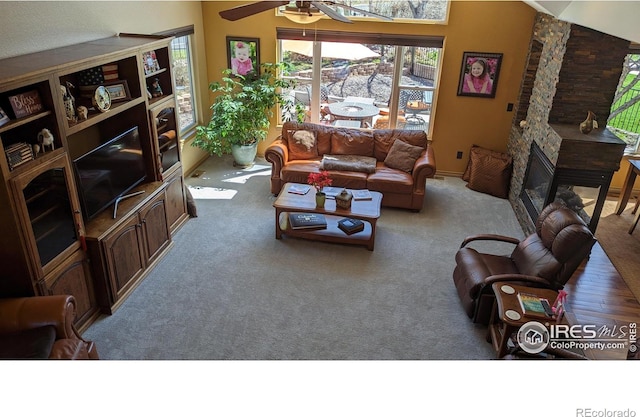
[(319, 180), (242, 110)]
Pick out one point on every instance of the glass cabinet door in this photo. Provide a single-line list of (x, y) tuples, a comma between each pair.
[(166, 134), (49, 211)]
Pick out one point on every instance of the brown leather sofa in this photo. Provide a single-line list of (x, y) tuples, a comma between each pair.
[(547, 258), (400, 188), (42, 328)]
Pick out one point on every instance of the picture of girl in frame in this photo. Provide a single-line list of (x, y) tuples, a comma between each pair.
[(479, 74)]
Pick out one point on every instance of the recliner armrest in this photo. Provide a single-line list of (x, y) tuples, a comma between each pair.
[(491, 237), (518, 278), (25, 313)]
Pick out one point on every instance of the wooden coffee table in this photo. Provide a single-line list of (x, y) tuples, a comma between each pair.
[(365, 210)]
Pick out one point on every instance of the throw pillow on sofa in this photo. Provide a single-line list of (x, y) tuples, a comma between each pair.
[(302, 144), (403, 156), (490, 172)]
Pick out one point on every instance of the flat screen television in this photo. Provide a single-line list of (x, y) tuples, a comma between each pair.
[(109, 171)]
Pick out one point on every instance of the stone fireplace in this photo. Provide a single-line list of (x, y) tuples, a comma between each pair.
[(571, 70)]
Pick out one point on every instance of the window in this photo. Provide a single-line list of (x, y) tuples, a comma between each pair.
[(183, 77), (391, 78), (624, 119), (410, 11)]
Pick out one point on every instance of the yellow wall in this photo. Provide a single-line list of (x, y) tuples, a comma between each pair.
[(617, 182), (458, 122)]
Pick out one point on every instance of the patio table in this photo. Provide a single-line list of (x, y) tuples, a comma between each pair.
[(353, 110)]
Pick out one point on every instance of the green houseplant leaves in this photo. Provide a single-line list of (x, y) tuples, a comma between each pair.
[(243, 108)]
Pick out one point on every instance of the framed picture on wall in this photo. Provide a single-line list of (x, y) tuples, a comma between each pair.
[(243, 55), (479, 74)]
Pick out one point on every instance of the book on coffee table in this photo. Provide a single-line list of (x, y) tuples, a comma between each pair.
[(332, 192), (351, 226), (359, 195), (301, 189), (307, 221)]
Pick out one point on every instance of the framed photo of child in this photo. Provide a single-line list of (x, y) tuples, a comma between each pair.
[(479, 74), (243, 55)]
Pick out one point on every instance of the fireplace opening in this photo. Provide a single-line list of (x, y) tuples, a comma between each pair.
[(538, 179), (582, 190)]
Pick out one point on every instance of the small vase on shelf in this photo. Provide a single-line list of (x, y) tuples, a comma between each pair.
[(587, 125), (320, 199)]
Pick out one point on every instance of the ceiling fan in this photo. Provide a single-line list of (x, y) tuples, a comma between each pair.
[(300, 8)]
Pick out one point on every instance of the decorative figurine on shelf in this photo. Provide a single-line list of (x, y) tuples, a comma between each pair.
[(45, 138), (83, 113), (36, 149), (69, 102), (156, 90), (589, 123)]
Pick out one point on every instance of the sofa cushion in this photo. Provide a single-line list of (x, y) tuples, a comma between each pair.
[(403, 156), (490, 173), (385, 138), (390, 180), (355, 163), (302, 144), (33, 343), (352, 142)]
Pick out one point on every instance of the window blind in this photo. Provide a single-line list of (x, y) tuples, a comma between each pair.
[(357, 37)]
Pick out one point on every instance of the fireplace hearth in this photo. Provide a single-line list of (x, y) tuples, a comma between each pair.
[(580, 178)]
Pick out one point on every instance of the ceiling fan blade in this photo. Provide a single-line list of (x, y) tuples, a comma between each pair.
[(250, 9), (365, 12), (330, 12)]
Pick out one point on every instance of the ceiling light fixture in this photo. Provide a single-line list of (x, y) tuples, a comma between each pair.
[(302, 16)]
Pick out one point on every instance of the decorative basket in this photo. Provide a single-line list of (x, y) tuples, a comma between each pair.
[(343, 200)]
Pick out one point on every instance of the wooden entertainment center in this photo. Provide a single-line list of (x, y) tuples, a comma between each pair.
[(48, 244)]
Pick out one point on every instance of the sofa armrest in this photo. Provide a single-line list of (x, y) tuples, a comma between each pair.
[(425, 167), (25, 313), (278, 154)]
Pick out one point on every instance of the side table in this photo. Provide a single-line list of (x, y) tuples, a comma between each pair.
[(507, 316)]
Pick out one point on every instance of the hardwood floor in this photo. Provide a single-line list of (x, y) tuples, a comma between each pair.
[(598, 295)]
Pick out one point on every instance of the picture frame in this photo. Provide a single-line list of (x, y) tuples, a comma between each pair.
[(479, 74), (243, 56), (118, 90), (4, 119), (150, 62)]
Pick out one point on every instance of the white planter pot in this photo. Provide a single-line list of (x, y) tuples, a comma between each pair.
[(244, 155)]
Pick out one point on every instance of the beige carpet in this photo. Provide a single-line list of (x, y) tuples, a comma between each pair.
[(622, 248)]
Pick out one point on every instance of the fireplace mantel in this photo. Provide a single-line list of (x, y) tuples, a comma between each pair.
[(599, 150)]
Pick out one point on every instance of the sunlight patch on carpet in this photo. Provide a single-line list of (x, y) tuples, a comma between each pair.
[(241, 177), (211, 193)]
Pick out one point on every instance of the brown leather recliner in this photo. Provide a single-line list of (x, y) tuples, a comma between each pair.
[(546, 258), (42, 328)]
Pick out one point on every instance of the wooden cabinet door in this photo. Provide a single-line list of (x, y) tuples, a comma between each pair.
[(73, 277), (124, 251), (153, 218), (176, 200)]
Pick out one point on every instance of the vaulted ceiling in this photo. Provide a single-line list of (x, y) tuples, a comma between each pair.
[(617, 18)]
